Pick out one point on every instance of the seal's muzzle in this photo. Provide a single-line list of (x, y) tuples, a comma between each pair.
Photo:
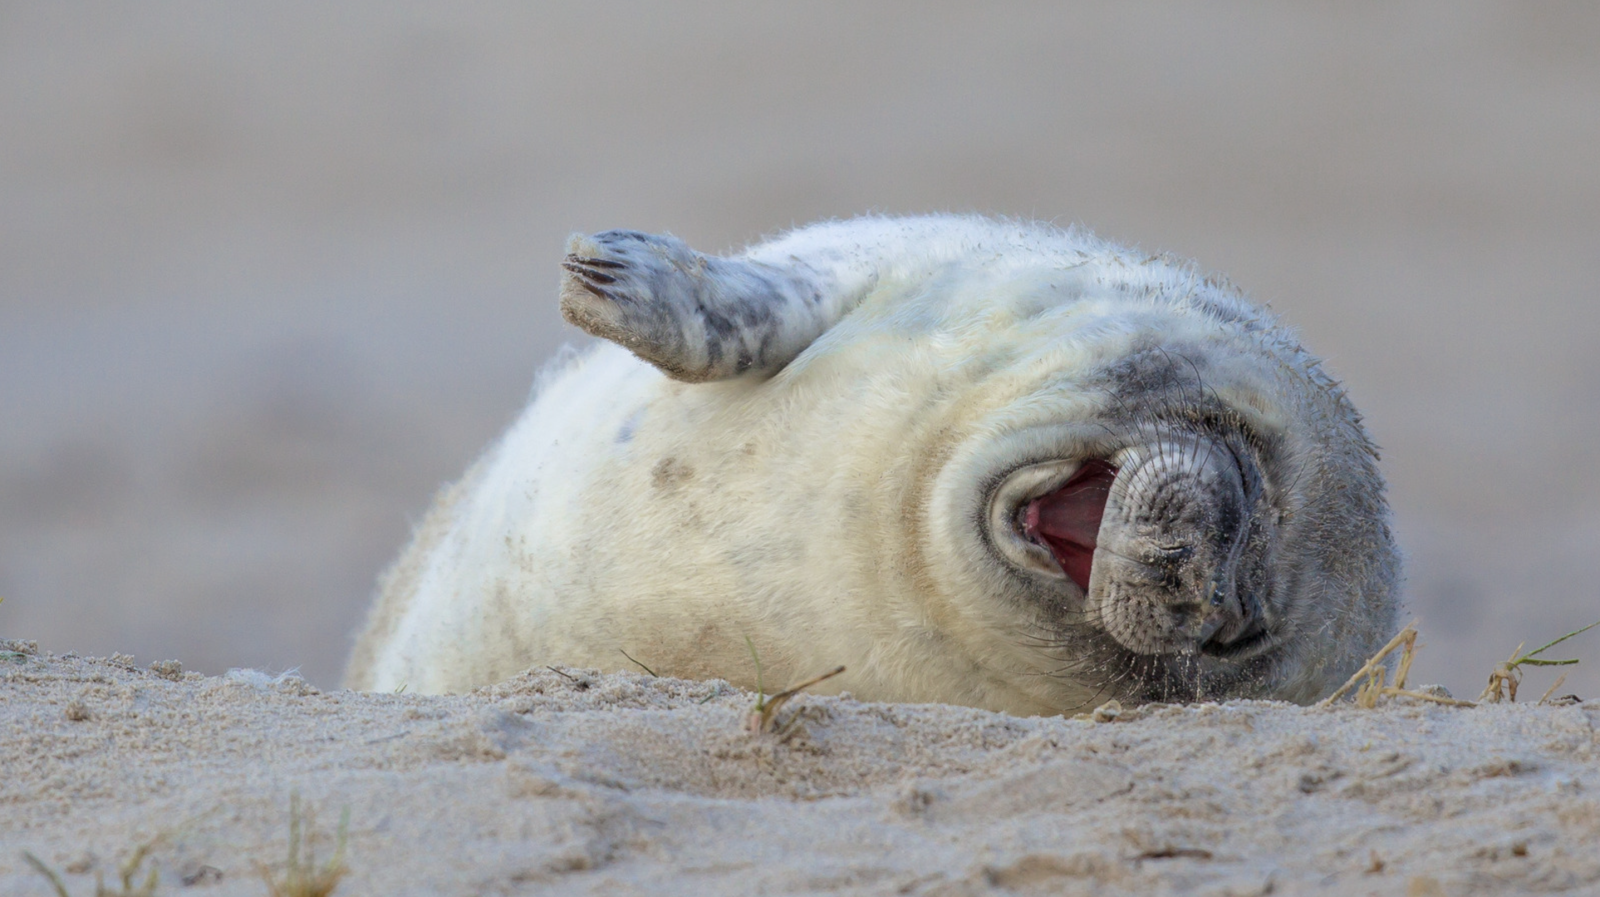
[(1177, 567)]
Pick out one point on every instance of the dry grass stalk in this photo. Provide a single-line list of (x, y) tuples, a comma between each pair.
[(1372, 675), (1374, 671), (1370, 685), (1503, 680), (1407, 654), (1391, 691), (763, 717), (126, 873), (639, 664), (303, 877), (47, 872), (1552, 689), (1506, 676)]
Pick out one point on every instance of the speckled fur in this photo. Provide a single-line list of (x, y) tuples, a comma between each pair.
[(809, 450)]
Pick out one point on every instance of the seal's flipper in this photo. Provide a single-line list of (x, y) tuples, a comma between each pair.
[(694, 316), (699, 317)]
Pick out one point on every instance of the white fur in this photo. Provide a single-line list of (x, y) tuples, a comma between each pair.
[(821, 510)]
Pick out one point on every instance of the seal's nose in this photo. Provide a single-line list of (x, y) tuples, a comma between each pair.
[(1210, 613), (1170, 553), (1222, 618)]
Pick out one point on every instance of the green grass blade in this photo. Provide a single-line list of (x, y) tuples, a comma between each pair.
[(1526, 658), (39, 866), (761, 690)]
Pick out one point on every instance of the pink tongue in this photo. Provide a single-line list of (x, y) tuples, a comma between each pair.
[(1067, 521)]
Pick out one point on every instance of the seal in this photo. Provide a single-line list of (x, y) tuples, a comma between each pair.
[(976, 461)]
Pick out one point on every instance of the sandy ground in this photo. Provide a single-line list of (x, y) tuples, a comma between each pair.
[(270, 274), (573, 782)]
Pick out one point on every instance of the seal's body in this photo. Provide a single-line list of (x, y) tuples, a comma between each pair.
[(976, 462)]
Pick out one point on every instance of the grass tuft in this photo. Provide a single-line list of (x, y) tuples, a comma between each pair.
[(1369, 680), (1370, 683), (763, 716), (1506, 676), (127, 873), (302, 877), (47, 872)]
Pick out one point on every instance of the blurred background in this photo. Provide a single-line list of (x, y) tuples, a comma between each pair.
[(270, 274)]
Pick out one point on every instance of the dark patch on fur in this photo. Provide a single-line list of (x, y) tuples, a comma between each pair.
[(669, 473)]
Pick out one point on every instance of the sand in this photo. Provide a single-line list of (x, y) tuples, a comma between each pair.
[(574, 782), (270, 274)]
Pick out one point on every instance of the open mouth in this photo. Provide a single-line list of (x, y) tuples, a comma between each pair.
[(1176, 574), (1067, 521)]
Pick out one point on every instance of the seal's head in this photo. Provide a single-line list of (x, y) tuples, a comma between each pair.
[(1197, 519)]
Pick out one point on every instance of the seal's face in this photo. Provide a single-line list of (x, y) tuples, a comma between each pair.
[(1153, 560), (1150, 544)]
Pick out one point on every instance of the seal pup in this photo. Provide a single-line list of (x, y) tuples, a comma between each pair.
[(976, 461)]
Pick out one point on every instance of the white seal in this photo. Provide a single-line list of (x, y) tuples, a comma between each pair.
[(977, 462)]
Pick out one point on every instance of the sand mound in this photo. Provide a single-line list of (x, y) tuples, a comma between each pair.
[(558, 782)]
